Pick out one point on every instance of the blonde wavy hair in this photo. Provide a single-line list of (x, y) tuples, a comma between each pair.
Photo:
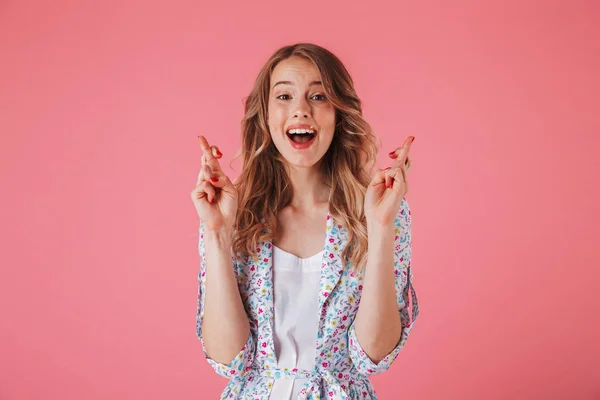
[(347, 167)]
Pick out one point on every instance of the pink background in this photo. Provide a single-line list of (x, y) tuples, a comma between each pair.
[(100, 107)]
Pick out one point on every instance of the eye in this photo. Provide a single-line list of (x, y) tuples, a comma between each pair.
[(323, 98), (279, 97)]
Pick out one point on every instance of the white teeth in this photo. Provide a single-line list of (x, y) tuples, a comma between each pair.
[(296, 131)]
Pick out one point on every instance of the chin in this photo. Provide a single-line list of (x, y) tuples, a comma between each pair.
[(303, 161)]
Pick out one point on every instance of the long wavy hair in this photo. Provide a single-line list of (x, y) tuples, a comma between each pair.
[(264, 187)]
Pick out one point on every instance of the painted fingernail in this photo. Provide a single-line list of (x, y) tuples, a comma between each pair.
[(388, 186), (214, 179), (219, 153), (387, 168), (392, 153), (413, 139)]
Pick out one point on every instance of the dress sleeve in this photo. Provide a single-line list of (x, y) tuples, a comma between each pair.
[(408, 306), (243, 360)]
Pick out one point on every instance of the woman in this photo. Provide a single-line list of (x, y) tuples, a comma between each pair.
[(284, 260)]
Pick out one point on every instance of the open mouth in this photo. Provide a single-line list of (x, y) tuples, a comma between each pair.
[(301, 135)]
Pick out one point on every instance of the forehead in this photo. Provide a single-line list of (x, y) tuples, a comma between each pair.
[(298, 70)]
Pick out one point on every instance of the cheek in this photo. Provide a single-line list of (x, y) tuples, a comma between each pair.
[(326, 115), (277, 116)]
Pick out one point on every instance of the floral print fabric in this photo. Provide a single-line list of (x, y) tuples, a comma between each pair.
[(342, 367)]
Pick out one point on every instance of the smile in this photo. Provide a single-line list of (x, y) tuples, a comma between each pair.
[(301, 138)]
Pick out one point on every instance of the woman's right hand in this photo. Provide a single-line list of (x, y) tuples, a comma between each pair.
[(215, 197)]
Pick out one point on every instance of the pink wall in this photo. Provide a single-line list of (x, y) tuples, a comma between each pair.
[(100, 108)]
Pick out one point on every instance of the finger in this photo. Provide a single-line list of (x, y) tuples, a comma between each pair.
[(388, 179), (217, 180), (205, 148), (197, 193), (204, 144), (201, 191), (210, 191), (395, 174), (207, 153), (404, 171), (205, 173), (208, 158), (399, 163), (200, 176), (407, 144), (403, 154), (378, 178), (215, 152)]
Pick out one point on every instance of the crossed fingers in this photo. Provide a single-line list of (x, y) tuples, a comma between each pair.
[(402, 164)]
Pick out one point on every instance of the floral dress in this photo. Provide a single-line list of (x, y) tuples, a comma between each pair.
[(342, 367)]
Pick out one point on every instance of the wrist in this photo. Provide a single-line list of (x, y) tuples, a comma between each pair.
[(218, 236), (375, 227)]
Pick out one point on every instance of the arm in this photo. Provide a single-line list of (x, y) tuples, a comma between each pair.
[(222, 324), (382, 324), (377, 322)]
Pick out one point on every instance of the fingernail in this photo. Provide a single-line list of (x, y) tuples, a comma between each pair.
[(209, 200), (413, 139), (388, 186), (392, 153), (214, 179), (219, 153), (387, 168)]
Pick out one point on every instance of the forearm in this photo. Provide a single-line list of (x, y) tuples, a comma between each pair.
[(377, 323), (225, 326)]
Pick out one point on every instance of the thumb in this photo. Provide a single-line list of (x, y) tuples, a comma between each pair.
[(378, 178)]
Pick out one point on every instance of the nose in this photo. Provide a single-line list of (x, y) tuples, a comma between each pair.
[(299, 114), (302, 109)]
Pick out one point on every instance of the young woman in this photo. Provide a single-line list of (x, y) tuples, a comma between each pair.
[(305, 280)]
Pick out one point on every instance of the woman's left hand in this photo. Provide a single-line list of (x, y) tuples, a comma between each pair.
[(388, 187)]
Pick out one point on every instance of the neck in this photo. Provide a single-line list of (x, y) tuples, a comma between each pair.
[(309, 188)]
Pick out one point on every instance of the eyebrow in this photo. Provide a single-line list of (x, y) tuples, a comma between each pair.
[(291, 83)]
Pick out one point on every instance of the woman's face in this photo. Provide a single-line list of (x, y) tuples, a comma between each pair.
[(297, 100)]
